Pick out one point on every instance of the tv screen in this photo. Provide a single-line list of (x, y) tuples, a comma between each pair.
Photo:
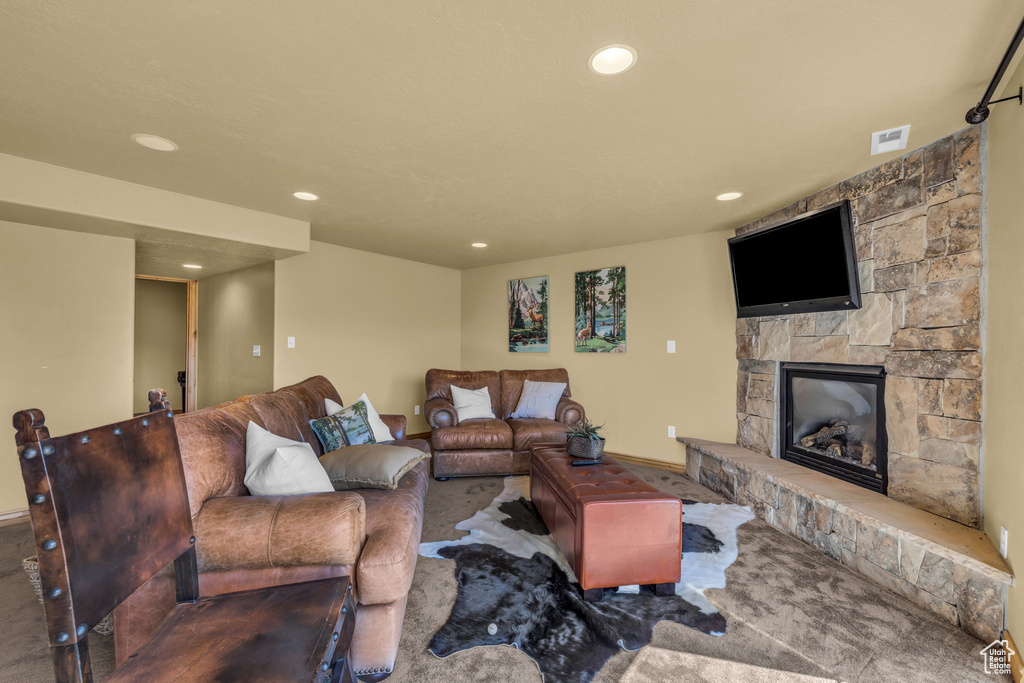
[(803, 265)]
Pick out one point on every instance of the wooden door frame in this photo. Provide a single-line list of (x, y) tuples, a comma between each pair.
[(191, 335)]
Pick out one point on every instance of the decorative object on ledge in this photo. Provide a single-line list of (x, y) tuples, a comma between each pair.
[(601, 311), (583, 441), (528, 315)]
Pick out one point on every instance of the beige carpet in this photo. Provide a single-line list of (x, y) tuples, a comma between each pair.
[(655, 664), (789, 609)]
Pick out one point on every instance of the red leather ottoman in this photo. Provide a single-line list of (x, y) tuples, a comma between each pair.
[(614, 528)]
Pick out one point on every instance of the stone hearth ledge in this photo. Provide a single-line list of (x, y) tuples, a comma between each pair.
[(948, 568)]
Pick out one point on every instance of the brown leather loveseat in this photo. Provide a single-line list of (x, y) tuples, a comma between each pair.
[(245, 542), (496, 446)]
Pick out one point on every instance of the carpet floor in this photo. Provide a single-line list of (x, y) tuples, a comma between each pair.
[(789, 608)]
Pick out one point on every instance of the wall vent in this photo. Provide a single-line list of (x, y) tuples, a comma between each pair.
[(889, 140)]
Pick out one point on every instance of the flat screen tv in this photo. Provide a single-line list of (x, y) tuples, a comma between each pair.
[(804, 265)]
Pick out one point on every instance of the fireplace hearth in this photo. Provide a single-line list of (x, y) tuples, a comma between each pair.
[(833, 421)]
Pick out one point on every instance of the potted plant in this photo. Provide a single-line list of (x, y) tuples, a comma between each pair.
[(583, 440)]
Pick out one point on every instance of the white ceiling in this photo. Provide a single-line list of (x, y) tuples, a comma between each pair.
[(427, 125)]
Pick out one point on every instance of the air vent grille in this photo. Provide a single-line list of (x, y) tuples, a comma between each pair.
[(890, 140)]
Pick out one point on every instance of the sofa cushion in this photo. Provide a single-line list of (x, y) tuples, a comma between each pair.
[(473, 434), (439, 382), (512, 385), (530, 430), (370, 466), (539, 399), (472, 404)]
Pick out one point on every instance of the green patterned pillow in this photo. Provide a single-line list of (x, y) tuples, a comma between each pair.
[(350, 427)]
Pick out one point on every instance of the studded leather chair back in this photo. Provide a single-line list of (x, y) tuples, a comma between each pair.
[(109, 510)]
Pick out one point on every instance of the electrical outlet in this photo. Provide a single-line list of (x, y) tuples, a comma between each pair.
[(671, 432), (671, 346), (416, 410), (256, 350), (1003, 540), (291, 342)]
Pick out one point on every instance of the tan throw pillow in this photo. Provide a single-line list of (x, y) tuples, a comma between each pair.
[(370, 466)]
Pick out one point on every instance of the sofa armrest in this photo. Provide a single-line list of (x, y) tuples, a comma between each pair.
[(570, 412), (396, 423), (440, 413), (256, 532)]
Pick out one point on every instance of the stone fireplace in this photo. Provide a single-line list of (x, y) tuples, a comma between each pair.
[(920, 252), (906, 368), (832, 420)]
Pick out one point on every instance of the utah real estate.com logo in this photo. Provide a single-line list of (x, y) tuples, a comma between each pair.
[(997, 657)]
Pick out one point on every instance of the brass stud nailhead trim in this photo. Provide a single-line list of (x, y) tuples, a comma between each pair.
[(49, 544), (48, 449), (38, 499), (85, 439), (30, 453), (61, 638)]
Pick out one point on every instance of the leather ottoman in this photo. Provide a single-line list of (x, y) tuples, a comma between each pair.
[(613, 527)]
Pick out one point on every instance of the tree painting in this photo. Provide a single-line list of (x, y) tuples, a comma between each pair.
[(528, 315), (601, 310)]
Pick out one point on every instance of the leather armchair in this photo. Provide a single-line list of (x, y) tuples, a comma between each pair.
[(496, 446)]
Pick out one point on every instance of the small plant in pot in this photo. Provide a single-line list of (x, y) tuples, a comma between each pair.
[(583, 440)]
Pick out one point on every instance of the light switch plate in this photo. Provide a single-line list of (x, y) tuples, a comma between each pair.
[(1004, 540), (291, 342), (256, 350), (671, 345), (416, 410), (671, 432)]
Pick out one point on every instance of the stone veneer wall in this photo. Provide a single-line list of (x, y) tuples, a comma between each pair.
[(918, 232)]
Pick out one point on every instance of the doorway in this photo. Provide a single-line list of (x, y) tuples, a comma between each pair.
[(166, 342)]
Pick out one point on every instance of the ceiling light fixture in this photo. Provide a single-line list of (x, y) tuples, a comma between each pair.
[(729, 196), (613, 59), (308, 196), (155, 142), (478, 245), (190, 265)]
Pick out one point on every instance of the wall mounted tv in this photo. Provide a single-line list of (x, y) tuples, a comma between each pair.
[(804, 265)]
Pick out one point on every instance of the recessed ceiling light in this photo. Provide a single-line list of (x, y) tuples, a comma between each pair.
[(308, 196), (155, 142), (478, 245), (613, 59), (190, 265), (729, 196)]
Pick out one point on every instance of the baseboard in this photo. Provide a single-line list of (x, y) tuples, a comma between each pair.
[(13, 514), (647, 462), (1016, 662)]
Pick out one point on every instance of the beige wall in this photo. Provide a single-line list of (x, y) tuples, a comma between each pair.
[(1004, 363), (675, 289), (236, 312), (160, 313), (67, 305), (369, 323)]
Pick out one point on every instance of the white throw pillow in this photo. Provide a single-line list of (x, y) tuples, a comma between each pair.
[(261, 444), (472, 404), (539, 399), (288, 471), (377, 426), (278, 466)]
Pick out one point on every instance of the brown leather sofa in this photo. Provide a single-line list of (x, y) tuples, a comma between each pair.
[(496, 446), (245, 542)]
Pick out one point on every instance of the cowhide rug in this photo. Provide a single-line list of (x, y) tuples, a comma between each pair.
[(515, 588)]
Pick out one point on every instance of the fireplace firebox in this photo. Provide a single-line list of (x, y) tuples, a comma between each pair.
[(833, 421)]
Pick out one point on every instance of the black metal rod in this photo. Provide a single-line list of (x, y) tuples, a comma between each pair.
[(980, 112)]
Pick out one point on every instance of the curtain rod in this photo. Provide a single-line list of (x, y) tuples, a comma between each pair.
[(979, 113)]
